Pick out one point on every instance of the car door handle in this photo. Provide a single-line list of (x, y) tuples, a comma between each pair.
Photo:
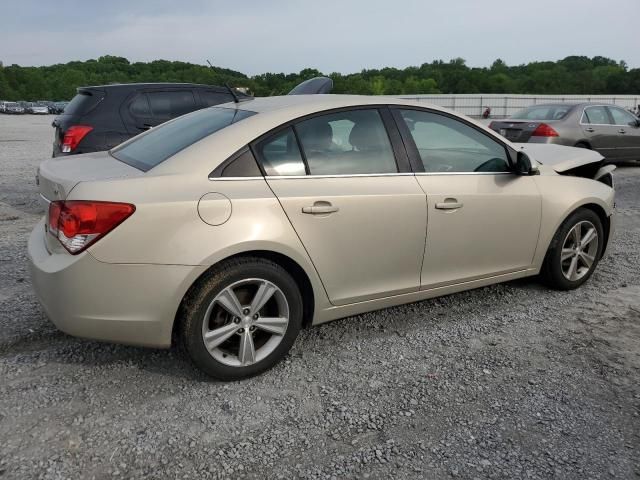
[(449, 204), (320, 208), (590, 130), (622, 130)]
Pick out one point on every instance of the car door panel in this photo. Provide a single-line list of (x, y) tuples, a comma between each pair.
[(597, 128), (491, 228), (372, 244), (628, 134), (483, 219), (361, 217)]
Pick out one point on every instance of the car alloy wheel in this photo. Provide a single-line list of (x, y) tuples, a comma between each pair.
[(245, 322), (579, 250)]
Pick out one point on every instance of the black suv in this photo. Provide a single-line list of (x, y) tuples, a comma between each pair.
[(101, 117)]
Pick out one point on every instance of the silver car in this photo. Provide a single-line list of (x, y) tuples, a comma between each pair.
[(38, 109), (13, 108), (610, 130), (232, 227)]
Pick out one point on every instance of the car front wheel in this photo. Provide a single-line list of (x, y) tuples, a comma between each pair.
[(241, 319), (574, 251)]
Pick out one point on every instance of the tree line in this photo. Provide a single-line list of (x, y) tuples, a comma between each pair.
[(571, 75)]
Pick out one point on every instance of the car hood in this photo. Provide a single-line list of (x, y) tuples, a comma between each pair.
[(560, 157)]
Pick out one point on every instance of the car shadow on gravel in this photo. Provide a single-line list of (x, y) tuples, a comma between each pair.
[(58, 347)]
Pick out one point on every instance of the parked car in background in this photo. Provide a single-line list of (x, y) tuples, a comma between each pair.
[(2, 106), (234, 226), (38, 109), (13, 108), (99, 118), (58, 107), (610, 130)]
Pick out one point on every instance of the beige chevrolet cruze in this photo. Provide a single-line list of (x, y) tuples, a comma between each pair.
[(230, 228)]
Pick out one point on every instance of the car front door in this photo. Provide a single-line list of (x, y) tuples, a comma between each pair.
[(483, 220), (628, 134), (597, 127), (349, 195)]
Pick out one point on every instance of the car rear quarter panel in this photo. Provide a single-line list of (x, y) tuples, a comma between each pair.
[(562, 195), (167, 229)]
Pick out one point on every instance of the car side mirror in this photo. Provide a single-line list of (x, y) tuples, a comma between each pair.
[(523, 165)]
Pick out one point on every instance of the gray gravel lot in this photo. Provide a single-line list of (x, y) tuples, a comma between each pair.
[(509, 381)]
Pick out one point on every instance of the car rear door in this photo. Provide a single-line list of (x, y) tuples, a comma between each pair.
[(151, 107), (168, 104), (628, 130), (483, 220), (597, 127), (351, 198)]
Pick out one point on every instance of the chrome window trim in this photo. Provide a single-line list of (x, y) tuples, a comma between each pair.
[(352, 175), (46, 200), (233, 179), (463, 173), (346, 175)]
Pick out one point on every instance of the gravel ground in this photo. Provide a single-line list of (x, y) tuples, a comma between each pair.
[(509, 381)]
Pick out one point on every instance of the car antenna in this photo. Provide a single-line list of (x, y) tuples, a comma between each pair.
[(233, 94)]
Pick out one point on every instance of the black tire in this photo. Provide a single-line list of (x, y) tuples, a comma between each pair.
[(194, 307), (551, 272), (582, 145)]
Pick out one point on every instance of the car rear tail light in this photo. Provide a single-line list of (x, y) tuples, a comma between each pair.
[(77, 224), (544, 130), (73, 136), (54, 215), (492, 125)]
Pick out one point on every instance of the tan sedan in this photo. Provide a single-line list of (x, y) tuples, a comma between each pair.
[(232, 227)]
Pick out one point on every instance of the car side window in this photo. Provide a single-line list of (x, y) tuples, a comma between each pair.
[(280, 155), (449, 145), (346, 143), (596, 116), (139, 107), (210, 98), (621, 117), (171, 104)]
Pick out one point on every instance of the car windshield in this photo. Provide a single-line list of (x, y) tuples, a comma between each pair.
[(543, 112), (155, 146), (11, 104)]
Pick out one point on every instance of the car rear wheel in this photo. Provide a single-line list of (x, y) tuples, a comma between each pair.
[(241, 319), (574, 251)]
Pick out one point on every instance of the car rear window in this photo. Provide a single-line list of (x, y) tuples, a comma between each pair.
[(543, 112), (83, 102), (155, 146)]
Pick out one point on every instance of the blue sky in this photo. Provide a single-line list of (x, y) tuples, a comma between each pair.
[(332, 35)]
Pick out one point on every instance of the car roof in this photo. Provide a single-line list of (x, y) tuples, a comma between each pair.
[(134, 86), (303, 104), (272, 113), (571, 104)]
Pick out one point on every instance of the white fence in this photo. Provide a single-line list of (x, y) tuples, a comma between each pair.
[(505, 105)]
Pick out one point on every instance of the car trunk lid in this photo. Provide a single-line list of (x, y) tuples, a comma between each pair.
[(519, 131), (58, 176)]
